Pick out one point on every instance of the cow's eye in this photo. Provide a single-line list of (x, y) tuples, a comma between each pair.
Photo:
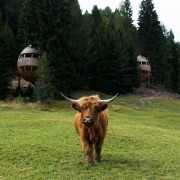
[(96, 108), (81, 108)]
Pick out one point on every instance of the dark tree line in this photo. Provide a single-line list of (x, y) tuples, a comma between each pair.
[(94, 50)]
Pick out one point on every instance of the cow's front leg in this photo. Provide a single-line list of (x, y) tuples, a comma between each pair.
[(98, 148), (88, 150)]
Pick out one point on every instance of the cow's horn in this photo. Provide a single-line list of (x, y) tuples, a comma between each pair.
[(109, 100), (71, 100)]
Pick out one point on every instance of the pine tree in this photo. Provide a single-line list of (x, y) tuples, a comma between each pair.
[(43, 87), (151, 39), (83, 65), (58, 45), (130, 36), (126, 10), (10, 12), (31, 25), (172, 56), (96, 61), (77, 42), (112, 59), (118, 78), (7, 61), (178, 79), (106, 15), (122, 73)]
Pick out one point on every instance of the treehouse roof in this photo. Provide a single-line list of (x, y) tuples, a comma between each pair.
[(30, 50), (141, 58)]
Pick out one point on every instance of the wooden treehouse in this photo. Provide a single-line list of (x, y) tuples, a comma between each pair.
[(27, 63), (144, 67)]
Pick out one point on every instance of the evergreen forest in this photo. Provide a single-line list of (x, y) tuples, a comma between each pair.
[(86, 50)]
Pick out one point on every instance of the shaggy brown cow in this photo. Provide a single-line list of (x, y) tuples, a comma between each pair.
[(91, 124)]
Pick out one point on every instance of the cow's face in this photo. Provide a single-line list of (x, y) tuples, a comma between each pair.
[(89, 110)]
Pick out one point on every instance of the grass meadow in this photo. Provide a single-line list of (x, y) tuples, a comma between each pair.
[(38, 141)]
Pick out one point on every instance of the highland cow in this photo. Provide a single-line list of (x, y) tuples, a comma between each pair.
[(91, 123)]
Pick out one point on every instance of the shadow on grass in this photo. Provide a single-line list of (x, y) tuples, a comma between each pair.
[(120, 161)]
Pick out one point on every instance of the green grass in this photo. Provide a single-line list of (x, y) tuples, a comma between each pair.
[(39, 141)]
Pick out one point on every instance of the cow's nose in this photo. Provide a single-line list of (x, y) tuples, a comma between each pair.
[(88, 121)]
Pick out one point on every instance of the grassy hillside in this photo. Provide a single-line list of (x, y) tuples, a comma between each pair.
[(39, 141)]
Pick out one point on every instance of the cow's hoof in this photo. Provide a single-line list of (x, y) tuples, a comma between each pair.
[(97, 159), (91, 163)]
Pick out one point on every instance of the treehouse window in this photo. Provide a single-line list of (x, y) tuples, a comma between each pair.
[(35, 55), (34, 68), (28, 68), (28, 55)]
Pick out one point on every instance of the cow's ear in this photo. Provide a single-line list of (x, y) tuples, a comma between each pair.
[(75, 105), (103, 106)]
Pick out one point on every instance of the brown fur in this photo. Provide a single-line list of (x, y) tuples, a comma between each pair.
[(91, 136)]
